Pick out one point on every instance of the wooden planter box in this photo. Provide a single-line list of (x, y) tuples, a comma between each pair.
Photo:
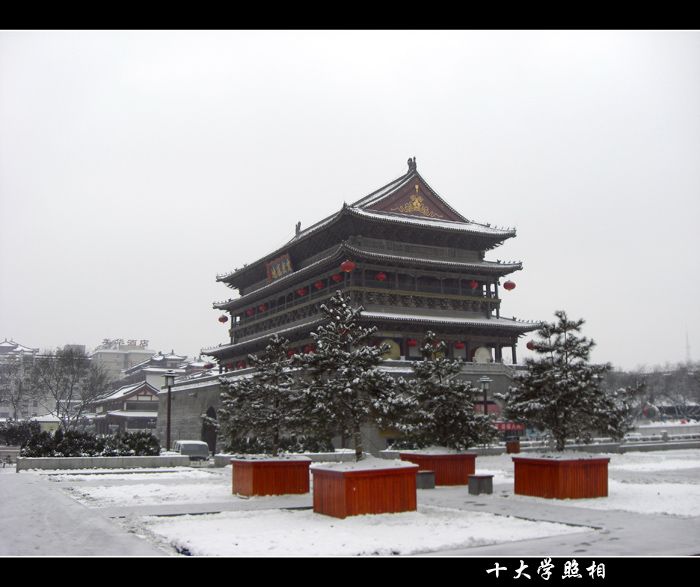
[(561, 478), (270, 476), (450, 469), (353, 489)]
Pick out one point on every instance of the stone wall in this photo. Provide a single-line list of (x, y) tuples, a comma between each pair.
[(189, 402), (26, 463)]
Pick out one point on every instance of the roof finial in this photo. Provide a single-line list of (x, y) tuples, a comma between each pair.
[(411, 164)]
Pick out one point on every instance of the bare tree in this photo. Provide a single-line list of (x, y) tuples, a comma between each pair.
[(15, 388), (673, 390), (67, 381)]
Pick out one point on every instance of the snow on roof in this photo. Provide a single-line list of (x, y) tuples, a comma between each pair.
[(45, 418), (265, 336), (393, 186), (9, 347), (199, 362), (126, 391), (199, 380), (441, 223), (361, 208), (171, 356), (489, 265), (133, 414), (498, 322)]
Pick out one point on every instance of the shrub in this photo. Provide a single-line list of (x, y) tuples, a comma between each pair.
[(38, 445), (16, 433), (74, 443)]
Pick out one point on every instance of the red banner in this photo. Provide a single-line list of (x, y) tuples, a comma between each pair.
[(509, 426)]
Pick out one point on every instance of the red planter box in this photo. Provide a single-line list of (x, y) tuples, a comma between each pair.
[(560, 478), (351, 491), (270, 476), (450, 469)]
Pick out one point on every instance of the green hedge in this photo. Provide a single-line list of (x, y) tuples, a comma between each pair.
[(16, 433), (83, 444)]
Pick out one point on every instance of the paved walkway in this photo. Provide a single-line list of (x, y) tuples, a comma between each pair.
[(616, 533), (37, 519)]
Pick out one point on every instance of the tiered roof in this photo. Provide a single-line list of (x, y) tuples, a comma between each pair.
[(405, 210), (405, 224)]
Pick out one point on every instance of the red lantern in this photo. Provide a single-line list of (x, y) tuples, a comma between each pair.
[(250, 312), (229, 366), (459, 345), (291, 353), (412, 343), (302, 292), (473, 284), (381, 276), (529, 345), (208, 365), (338, 278), (320, 285), (241, 364), (509, 285), (348, 266), (309, 349), (263, 308), (223, 318)]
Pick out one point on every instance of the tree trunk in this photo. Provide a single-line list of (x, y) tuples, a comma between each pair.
[(357, 438), (276, 444), (560, 443)]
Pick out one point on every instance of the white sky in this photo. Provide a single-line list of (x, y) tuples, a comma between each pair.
[(136, 166)]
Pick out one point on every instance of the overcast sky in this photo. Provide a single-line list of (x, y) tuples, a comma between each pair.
[(136, 166)]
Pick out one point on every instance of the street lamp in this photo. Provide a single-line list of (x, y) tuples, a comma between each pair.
[(485, 384), (169, 377)]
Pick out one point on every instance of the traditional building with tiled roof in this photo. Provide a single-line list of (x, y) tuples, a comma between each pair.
[(415, 264), (402, 253), (131, 408)]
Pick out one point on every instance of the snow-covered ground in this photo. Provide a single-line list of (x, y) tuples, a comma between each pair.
[(661, 482)]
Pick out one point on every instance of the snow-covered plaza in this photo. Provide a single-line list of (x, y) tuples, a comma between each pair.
[(653, 509)]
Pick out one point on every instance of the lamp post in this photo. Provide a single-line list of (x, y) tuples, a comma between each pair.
[(169, 377), (485, 384)]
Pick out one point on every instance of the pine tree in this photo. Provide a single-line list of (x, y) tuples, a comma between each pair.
[(561, 392), (344, 388), (441, 405), (266, 404)]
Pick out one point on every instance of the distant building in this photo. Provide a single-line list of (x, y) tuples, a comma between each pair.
[(131, 408), (13, 351), (153, 368), (134, 403), (15, 360), (118, 355)]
